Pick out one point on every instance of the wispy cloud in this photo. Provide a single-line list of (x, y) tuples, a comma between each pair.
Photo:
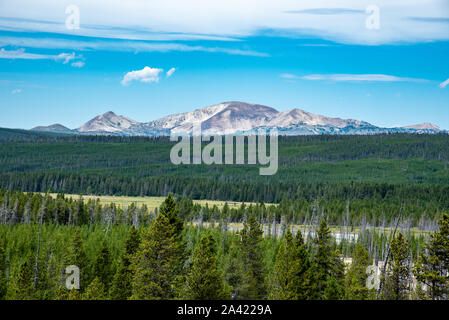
[(7, 82), (146, 75), (21, 54), (170, 72), (77, 64), (317, 45), (120, 45), (444, 83), (430, 19), (115, 31), (15, 91), (233, 20), (326, 11), (288, 76), (361, 77), (66, 57)]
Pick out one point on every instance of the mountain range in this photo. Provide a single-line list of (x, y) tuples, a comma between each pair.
[(232, 118)]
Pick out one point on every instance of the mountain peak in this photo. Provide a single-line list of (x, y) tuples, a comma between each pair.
[(234, 117), (107, 122), (424, 126), (109, 114), (57, 128), (238, 116)]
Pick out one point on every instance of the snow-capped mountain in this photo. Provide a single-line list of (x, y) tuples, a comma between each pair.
[(424, 126), (238, 118), (108, 122), (181, 122), (297, 116)]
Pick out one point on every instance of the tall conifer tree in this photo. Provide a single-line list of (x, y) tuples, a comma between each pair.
[(397, 274), (291, 276), (328, 267), (252, 258), (154, 264), (355, 281), (121, 286), (205, 281), (432, 268), (3, 281), (102, 267), (23, 286), (95, 290)]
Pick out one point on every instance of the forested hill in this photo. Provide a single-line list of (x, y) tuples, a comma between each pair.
[(379, 164), (10, 135)]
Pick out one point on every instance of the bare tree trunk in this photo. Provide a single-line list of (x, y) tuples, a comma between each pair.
[(12, 220), (388, 254), (91, 218), (36, 266), (70, 215), (108, 218)]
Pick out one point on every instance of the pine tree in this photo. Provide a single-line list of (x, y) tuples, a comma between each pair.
[(3, 281), (170, 211), (154, 264), (433, 264), (234, 273), (74, 294), (291, 276), (50, 279), (205, 281), (95, 290), (62, 293), (23, 287), (252, 258), (328, 268), (122, 283), (355, 281), (397, 274), (102, 267), (76, 255)]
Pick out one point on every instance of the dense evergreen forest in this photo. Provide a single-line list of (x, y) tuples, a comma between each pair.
[(136, 254), (367, 198), (377, 174)]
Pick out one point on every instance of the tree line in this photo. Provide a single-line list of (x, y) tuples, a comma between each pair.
[(19, 206), (167, 259)]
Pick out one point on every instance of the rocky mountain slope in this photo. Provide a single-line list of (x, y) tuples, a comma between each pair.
[(108, 122), (236, 118)]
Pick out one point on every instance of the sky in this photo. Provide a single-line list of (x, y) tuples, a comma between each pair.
[(381, 61)]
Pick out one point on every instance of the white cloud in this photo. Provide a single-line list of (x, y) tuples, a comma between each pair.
[(15, 91), (444, 84), (360, 77), (21, 54), (147, 75), (170, 72), (120, 45), (78, 64), (171, 20), (66, 57), (288, 76)]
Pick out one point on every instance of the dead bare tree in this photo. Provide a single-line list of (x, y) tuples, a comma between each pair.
[(36, 266), (379, 290)]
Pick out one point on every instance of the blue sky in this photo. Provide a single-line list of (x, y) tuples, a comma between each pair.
[(284, 54)]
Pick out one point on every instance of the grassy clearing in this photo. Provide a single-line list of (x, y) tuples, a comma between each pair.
[(335, 230), (151, 202)]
